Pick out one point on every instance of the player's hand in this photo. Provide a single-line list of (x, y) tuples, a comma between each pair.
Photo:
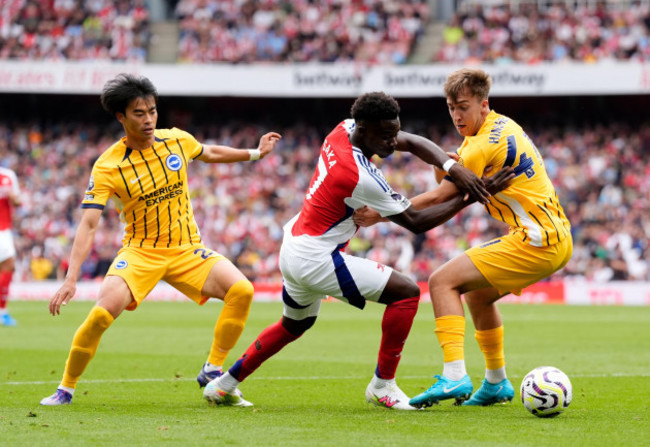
[(366, 217), (61, 297), (500, 180), (469, 183), (267, 143)]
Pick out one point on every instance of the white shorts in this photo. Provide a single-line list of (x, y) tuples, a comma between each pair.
[(7, 249), (348, 278)]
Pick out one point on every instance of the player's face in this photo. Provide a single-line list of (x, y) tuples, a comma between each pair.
[(381, 138), (468, 113), (139, 119)]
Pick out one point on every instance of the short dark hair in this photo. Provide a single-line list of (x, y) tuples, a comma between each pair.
[(375, 107), (122, 89)]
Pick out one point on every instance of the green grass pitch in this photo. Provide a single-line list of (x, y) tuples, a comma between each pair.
[(140, 388)]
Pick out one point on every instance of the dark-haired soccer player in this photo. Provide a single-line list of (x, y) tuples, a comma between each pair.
[(538, 244), (146, 172), (312, 260)]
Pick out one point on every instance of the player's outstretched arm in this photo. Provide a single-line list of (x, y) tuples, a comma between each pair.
[(419, 221), (367, 217), (431, 153), (83, 241), (436, 206), (215, 153)]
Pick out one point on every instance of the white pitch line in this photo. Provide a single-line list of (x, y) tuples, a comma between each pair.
[(185, 379)]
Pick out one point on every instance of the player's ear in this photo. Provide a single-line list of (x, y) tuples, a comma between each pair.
[(120, 117)]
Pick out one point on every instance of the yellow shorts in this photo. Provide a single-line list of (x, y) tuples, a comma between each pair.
[(510, 264), (185, 268)]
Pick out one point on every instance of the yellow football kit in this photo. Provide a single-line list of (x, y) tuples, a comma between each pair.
[(539, 242), (161, 238)]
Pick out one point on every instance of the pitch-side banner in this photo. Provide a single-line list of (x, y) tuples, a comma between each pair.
[(618, 293), (324, 80)]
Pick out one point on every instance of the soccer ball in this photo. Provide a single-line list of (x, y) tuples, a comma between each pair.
[(546, 391)]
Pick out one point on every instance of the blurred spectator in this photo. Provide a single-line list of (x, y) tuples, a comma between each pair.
[(533, 32), (74, 29), (372, 31), (599, 171), (41, 267)]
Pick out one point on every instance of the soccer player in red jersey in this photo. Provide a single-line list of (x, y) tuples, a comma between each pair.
[(9, 198), (312, 260)]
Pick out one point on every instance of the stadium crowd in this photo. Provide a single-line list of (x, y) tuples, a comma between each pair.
[(374, 31), (74, 30), (525, 33), (598, 171), (371, 31)]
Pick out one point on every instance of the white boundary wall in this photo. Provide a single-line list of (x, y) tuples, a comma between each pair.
[(324, 80), (621, 293)]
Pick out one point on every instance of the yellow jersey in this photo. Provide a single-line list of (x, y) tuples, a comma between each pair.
[(530, 204), (150, 188)]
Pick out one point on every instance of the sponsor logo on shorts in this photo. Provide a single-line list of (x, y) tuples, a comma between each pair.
[(174, 162), (121, 264)]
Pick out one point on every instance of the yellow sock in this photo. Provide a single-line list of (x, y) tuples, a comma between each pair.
[(84, 344), (450, 331), (231, 320), (491, 344)]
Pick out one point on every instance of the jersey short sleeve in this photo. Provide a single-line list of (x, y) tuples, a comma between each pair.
[(374, 191), (190, 145), (99, 188), (14, 182)]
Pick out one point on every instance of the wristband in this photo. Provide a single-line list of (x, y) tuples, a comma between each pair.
[(448, 164), (255, 154)]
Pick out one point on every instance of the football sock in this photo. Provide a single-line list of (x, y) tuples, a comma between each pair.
[(450, 330), (231, 321), (209, 367), (269, 342), (378, 382), (84, 344), (495, 376), (395, 328), (228, 383), (491, 343), (5, 280), (67, 388)]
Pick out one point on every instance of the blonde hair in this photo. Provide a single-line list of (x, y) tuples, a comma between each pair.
[(473, 80)]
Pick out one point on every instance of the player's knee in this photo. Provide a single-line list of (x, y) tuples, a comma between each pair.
[(399, 287), (411, 290), (436, 283), (298, 327), (240, 294)]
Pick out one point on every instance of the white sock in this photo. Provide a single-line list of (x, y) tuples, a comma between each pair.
[(495, 376), (68, 389), (228, 383), (378, 382), (3, 312), (209, 367), (454, 370)]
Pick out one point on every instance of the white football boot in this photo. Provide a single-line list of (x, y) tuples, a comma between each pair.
[(386, 393)]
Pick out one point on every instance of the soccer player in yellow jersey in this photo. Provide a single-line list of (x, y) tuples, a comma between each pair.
[(538, 244), (146, 173)]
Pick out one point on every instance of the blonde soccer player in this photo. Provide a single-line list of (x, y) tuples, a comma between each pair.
[(539, 242), (146, 172)]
